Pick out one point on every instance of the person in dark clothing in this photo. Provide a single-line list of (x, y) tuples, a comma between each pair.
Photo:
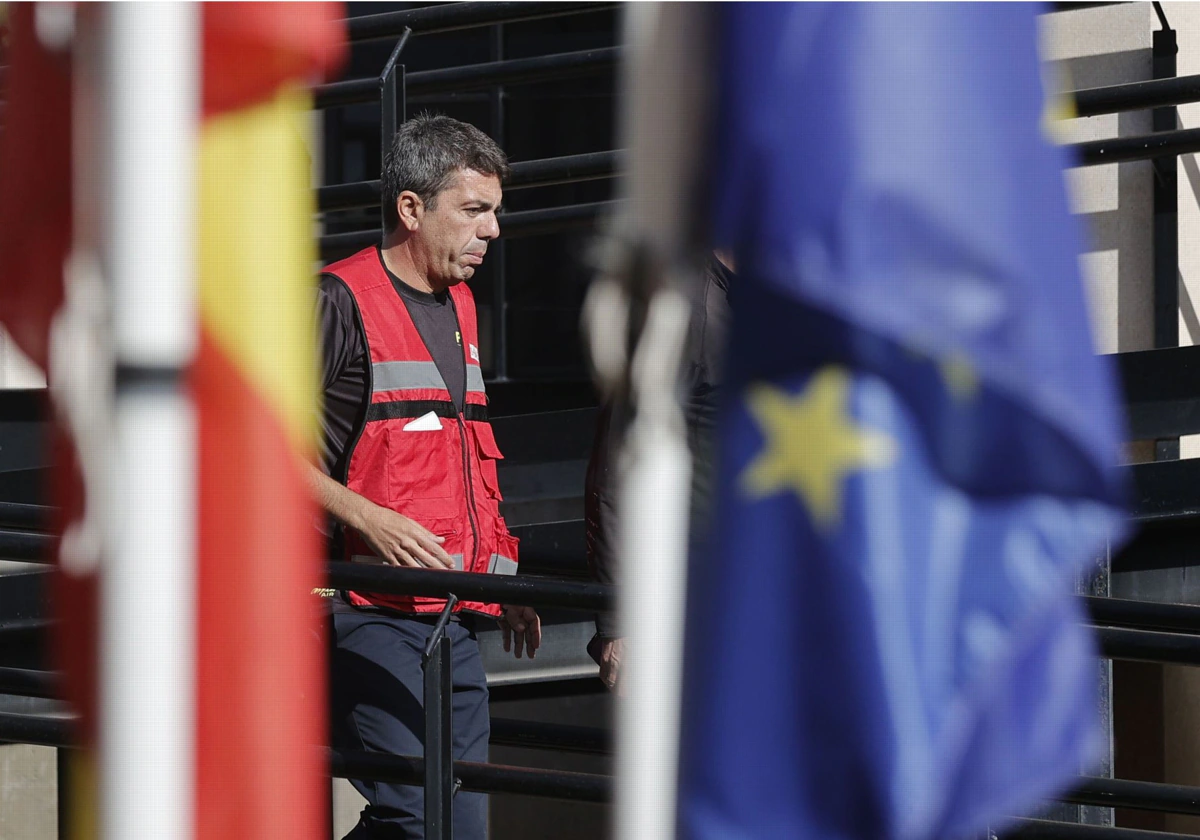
[(703, 359), (408, 462)]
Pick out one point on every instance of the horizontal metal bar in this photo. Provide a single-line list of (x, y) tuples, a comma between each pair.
[(1135, 96), (1051, 830), (1148, 646), (530, 734), (26, 545), (512, 225), (346, 92), (468, 76), (568, 169), (1142, 147), (547, 172), (23, 682), (494, 589), (25, 517), (1143, 615), (36, 729), (540, 68), (349, 196), (446, 17), (483, 778), (1127, 793)]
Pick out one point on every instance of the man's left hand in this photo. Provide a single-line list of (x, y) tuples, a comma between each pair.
[(525, 625)]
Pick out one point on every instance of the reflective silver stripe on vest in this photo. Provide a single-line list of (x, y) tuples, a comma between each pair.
[(395, 376), (475, 379), (501, 565), (399, 376), (372, 559)]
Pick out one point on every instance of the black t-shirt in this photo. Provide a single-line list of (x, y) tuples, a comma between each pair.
[(344, 358)]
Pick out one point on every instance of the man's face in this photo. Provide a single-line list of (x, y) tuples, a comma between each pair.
[(454, 234)]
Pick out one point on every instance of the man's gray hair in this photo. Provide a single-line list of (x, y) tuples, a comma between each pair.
[(425, 154)]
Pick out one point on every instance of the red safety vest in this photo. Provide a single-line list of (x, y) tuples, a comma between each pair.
[(415, 453)]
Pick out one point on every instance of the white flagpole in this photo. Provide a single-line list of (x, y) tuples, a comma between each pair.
[(665, 91), (149, 57)]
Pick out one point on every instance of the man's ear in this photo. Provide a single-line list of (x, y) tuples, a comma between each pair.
[(409, 208)]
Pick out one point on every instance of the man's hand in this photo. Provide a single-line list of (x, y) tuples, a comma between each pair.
[(395, 539), (612, 651), (524, 623), (399, 541)]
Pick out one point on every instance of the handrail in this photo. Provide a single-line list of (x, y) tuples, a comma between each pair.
[(471, 586), (1051, 830), (470, 76), (447, 17), (1142, 147), (1136, 96), (474, 776), (1129, 793), (544, 172), (512, 226)]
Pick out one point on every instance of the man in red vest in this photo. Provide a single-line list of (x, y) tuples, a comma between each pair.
[(409, 460)]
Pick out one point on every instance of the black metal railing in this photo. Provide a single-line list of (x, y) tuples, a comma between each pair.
[(447, 17)]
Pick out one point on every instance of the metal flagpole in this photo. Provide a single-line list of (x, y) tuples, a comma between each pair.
[(149, 58), (665, 90)]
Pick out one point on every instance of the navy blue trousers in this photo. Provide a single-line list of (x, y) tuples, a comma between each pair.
[(378, 705)]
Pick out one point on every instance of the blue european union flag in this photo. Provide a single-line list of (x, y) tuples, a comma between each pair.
[(917, 446)]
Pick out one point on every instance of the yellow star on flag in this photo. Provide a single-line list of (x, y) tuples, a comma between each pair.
[(812, 444)]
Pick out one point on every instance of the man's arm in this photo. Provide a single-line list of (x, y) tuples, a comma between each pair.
[(395, 538)]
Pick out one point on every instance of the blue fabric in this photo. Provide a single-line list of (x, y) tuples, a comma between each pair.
[(917, 447)]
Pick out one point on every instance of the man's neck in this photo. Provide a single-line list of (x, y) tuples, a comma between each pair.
[(399, 261)]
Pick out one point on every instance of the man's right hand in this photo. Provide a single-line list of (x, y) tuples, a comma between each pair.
[(612, 651), (399, 541)]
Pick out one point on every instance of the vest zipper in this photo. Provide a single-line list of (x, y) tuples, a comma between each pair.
[(462, 434)]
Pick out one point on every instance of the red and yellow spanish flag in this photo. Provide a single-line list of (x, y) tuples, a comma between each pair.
[(260, 656)]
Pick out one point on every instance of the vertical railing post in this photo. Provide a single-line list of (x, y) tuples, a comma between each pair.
[(1166, 220), (439, 731), (392, 101), (500, 286), (63, 773)]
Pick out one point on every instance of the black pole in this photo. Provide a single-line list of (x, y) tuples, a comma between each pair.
[(1144, 147), (492, 589), (1166, 224), (1143, 615), (392, 104), (62, 773), (439, 730), (477, 777), (1050, 830), (1128, 793), (500, 286), (1162, 92)]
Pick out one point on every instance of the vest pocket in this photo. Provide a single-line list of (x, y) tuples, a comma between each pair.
[(489, 454), (423, 465)]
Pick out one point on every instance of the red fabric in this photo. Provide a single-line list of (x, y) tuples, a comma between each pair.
[(423, 475), (250, 49), (35, 184), (35, 235), (261, 678)]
